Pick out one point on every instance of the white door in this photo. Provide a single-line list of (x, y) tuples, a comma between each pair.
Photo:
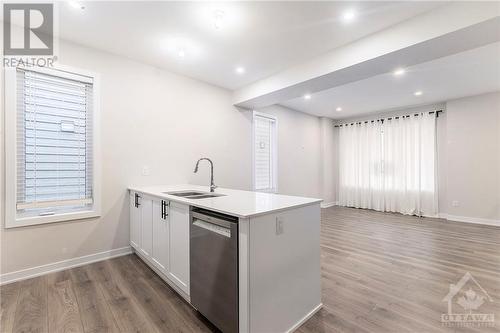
[(160, 251), (135, 220), (179, 246), (147, 226)]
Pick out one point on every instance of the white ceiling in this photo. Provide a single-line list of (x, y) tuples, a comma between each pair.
[(264, 37), (464, 74)]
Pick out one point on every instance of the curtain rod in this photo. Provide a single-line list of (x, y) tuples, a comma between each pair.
[(437, 112)]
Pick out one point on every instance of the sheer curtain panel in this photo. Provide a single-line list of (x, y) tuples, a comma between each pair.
[(390, 165)]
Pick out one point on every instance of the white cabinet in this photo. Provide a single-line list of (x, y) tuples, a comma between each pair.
[(146, 226), (159, 232), (135, 220), (161, 237), (141, 223), (179, 245)]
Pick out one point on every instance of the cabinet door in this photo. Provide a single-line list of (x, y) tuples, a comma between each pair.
[(146, 226), (179, 246), (160, 251), (135, 221)]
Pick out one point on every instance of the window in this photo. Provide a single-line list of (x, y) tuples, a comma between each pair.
[(390, 165), (265, 152), (51, 118)]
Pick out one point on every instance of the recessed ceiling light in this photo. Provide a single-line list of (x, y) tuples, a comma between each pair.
[(181, 47), (349, 15), (418, 93), (307, 96), (399, 72), (240, 70), (338, 109), (218, 19), (76, 5)]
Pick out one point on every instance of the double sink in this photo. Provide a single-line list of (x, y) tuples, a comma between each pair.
[(194, 194)]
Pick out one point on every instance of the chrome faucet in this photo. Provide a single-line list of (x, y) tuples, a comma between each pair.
[(212, 185)]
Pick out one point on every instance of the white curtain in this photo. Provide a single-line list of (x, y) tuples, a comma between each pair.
[(390, 165)]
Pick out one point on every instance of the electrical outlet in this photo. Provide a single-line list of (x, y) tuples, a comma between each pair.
[(455, 203), (145, 170), (279, 225)]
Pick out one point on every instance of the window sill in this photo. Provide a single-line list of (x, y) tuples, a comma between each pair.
[(61, 217)]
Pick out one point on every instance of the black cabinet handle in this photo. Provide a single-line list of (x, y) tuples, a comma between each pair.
[(137, 204), (164, 209)]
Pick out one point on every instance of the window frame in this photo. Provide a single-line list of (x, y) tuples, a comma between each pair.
[(12, 219), (274, 153)]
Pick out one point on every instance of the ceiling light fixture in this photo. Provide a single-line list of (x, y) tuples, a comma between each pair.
[(418, 93), (240, 70), (338, 109), (181, 53), (349, 16), (76, 4), (399, 72), (218, 19), (307, 96)]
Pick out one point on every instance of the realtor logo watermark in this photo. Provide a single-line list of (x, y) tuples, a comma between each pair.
[(28, 34), (469, 296)]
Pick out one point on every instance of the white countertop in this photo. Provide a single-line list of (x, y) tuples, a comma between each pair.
[(235, 202)]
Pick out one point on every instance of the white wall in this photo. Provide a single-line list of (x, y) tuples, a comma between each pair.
[(473, 157), (151, 117), (329, 162), (299, 152)]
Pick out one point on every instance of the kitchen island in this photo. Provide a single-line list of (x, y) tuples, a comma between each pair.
[(277, 258)]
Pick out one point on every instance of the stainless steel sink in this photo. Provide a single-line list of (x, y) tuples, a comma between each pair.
[(204, 196), (184, 193), (194, 194)]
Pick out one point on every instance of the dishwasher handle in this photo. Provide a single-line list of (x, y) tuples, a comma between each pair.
[(211, 219), (223, 231)]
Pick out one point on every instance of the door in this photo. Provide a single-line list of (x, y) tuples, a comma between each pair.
[(135, 220), (179, 246), (160, 251), (146, 226)]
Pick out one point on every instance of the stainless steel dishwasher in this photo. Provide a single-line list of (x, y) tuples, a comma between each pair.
[(214, 267)]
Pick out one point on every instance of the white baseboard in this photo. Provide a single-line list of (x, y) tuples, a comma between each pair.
[(305, 318), (62, 265), (329, 204), (466, 219)]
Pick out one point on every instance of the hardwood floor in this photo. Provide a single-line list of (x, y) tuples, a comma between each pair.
[(389, 273), (380, 273)]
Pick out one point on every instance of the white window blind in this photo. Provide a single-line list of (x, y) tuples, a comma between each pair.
[(264, 153), (54, 142)]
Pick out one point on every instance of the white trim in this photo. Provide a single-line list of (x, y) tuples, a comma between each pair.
[(66, 72), (274, 150), (46, 204), (305, 318), (467, 219), (329, 204), (244, 275), (59, 217), (10, 145), (62, 265), (12, 220)]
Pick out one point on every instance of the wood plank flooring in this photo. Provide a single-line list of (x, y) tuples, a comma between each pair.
[(380, 273)]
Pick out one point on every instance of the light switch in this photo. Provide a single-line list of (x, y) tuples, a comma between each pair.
[(145, 170)]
